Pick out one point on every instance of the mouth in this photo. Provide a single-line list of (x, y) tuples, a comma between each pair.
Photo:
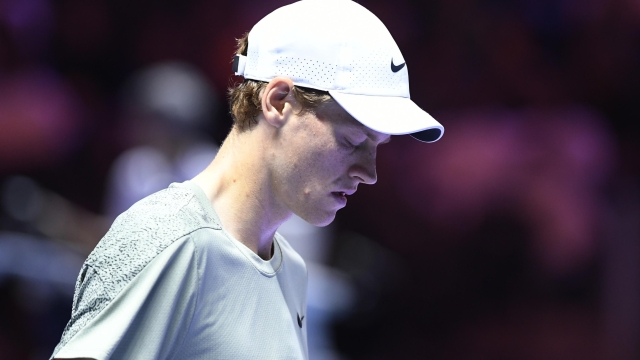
[(341, 196)]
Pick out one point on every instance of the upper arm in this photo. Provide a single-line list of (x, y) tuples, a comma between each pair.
[(149, 317)]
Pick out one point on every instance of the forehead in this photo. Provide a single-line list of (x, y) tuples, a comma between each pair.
[(334, 113)]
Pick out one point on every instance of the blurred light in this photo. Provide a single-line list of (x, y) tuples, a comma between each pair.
[(173, 91)]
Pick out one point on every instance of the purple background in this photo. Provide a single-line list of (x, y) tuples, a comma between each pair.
[(516, 236)]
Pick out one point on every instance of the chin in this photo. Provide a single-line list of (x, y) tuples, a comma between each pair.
[(319, 220)]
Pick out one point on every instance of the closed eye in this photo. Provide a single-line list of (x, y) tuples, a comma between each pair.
[(348, 144)]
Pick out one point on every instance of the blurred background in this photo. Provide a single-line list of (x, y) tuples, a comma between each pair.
[(516, 236)]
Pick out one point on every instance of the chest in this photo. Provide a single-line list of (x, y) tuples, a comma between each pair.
[(243, 314)]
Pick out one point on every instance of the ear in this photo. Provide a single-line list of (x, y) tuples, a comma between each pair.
[(278, 101)]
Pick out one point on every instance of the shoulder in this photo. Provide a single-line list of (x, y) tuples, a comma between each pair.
[(172, 210), (139, 234)]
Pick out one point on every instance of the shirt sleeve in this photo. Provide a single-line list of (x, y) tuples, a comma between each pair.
[(150, 317)]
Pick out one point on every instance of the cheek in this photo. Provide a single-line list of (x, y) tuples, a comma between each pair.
[(313, 160), (314, 172), (316, 156)]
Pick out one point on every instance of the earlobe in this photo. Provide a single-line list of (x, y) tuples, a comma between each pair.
[(277, 101)]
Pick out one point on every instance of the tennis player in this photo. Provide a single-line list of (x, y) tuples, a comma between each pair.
[(198, 271)]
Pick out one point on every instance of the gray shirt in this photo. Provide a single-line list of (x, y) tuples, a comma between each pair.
[(168, 282)]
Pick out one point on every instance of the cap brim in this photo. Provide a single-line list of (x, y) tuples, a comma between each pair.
[(391, 115)]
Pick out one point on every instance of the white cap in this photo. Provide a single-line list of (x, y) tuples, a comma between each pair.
[(340, 47)]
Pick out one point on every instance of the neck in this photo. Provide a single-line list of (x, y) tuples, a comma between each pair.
[(238, 185)]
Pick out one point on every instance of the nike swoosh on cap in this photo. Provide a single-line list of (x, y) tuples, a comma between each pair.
[(396, 68)]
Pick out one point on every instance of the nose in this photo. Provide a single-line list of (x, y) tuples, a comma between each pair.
[(364, 170)]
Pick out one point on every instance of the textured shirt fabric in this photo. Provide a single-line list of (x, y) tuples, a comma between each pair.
[(168, 282)]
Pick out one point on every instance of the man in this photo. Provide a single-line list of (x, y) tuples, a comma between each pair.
[(198, 271)]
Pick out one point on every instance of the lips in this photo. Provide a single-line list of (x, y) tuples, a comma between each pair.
[(346, 192), (341, 195)]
